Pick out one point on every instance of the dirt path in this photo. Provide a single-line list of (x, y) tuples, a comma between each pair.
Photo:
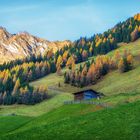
[(55, 90)]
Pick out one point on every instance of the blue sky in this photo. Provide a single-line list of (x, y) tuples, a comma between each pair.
[(64, 19)]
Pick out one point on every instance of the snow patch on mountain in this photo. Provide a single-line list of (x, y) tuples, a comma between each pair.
[(12, 49)]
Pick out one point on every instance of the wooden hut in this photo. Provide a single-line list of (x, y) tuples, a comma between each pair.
[(86, 95)]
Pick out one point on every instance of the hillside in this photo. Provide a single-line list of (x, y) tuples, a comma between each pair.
[(23, 44), (52, 119), (16, 75), (120, 82)]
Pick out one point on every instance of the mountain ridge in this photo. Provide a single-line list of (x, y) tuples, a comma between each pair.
[(23, 44)]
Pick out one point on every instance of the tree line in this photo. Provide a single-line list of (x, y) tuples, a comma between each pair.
[(14, 83)]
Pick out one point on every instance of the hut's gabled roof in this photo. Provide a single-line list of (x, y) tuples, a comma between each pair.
[(79, 92)]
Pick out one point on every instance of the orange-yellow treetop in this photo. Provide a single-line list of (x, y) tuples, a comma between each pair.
[(137, 17)]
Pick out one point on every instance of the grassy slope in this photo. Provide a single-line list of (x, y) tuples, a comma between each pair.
[(17, 127), (81, 122), (10, 123), (115, 83), (38, 109)]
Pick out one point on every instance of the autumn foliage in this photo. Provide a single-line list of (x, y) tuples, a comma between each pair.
[(137, 17), (126, 62), (91, 72)]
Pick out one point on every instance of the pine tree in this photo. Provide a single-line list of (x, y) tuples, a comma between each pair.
[(84, 55)]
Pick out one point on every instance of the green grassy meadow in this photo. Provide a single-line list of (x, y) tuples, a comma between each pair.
[(38, 109), (82, 122), (10, 123)]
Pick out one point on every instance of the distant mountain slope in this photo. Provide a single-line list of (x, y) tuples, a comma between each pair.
[(23, 44)]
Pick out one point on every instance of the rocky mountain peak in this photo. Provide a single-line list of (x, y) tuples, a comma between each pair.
[(24, 44)]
